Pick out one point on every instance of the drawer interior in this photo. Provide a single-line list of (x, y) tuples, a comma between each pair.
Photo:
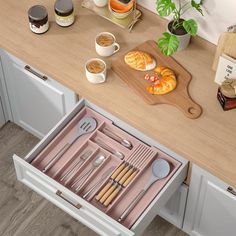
[(112, 185)]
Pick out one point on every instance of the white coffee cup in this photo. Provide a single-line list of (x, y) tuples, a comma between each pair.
[(107, 50), (93, 76), (100, 3)]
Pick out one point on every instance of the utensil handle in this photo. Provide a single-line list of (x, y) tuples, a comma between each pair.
[(131, 206), (84, 175), (122, 173), (130, 178), (108, 192), (92, 188), (70, 171), (112, 135), (118, 170), (101, 193), (126, 176), (112, 196), (56, 157)]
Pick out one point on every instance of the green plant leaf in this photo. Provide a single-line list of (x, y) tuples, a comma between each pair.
[(168, 44), (197, 6), (165, 7), (190, 26)]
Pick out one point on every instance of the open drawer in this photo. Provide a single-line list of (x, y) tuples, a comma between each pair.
[(65, 182)]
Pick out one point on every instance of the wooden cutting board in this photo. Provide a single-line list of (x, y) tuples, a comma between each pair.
[(227, 45), (179, 97)]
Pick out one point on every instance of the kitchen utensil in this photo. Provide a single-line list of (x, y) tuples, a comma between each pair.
[(111, 134), (112, 196), (226, 44), (97, 162), (160, 170), (179, 97), (82, 158), (103, 177), (86, 125), (109, 149)]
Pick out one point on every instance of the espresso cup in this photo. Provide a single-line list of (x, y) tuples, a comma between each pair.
[(106, 45), (96, 70)]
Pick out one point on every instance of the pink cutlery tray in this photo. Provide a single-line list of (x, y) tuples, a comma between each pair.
[(140, 156)]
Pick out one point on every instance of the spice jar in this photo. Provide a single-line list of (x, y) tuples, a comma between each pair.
[(64, 12), (38, 19)]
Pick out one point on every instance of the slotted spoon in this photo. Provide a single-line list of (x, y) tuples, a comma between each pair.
[(86, 125)]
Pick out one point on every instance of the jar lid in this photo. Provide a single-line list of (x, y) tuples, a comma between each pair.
[(228, 88), (37, 12), (63, 6)]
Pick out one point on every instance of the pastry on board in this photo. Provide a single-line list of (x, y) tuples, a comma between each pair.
[(163, 81), (139, 60)]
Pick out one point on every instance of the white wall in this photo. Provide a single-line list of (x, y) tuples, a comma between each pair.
[(218, 15)]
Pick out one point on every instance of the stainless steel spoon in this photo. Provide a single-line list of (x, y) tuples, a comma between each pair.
[(160, 170), (97, 162), (123, 142)]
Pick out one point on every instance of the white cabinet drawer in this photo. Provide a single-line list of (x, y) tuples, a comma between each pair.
[(83, 210)]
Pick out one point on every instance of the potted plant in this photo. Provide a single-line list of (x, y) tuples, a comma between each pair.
[(179, 30)]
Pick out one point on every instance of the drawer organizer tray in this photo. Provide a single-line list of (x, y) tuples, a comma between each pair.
[(111, 185)]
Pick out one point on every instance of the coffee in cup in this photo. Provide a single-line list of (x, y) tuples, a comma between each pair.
[(95, 70), (106, 45)]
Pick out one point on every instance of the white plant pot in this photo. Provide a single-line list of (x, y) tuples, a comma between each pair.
[(184, 40)]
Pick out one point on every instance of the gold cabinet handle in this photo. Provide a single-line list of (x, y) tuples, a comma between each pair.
[(231, 190), (42, 77), (60, 194)]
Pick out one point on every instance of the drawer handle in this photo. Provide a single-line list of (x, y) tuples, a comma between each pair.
[(43, 77), (231, 190), (60, 194)]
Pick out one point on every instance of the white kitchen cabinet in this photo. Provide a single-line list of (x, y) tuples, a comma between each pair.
[(211, 206), (2, 117), (36, 102), (174, 209), (73, 203)]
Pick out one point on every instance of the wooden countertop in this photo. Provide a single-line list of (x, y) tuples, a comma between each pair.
[(209, 141)]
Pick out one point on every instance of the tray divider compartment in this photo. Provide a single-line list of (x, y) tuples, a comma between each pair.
[(96, 175)]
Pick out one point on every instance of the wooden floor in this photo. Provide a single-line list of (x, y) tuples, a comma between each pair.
[(25, 213)]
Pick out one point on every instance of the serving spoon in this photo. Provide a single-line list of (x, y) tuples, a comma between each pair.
[(160, 170)]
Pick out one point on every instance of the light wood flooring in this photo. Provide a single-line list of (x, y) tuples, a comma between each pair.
[(25, 213)]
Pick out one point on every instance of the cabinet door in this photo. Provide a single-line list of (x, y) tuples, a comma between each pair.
[(174, 209), (211, 209), (2, 117), (36, 104)]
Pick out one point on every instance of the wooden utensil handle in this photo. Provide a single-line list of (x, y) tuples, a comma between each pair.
[(112, 196), (130, 178), (108, 192), (122, 173), (126, 176), (118, 170), (101, 193)]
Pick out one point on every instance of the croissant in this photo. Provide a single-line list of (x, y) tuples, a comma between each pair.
[(139, 60), (165, 83)]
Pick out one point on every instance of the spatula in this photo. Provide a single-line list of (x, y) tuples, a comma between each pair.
[(86, 125)]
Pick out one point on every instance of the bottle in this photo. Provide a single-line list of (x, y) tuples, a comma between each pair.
[(64, 12)]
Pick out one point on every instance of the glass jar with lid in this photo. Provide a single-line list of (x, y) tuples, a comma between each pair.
[(38, 19), (64, 12)]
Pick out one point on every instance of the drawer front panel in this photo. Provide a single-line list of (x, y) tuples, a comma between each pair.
[(70, 202)]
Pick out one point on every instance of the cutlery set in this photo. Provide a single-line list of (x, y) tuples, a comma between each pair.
[(104, 169)]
